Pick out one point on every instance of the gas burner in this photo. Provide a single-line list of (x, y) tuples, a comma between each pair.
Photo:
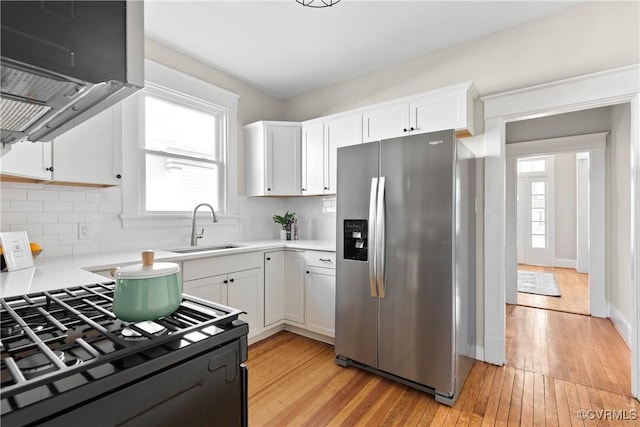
[(151, 328), (15, 330), (37, 363)]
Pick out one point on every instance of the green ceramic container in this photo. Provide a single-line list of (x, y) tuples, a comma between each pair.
[(147, 291)]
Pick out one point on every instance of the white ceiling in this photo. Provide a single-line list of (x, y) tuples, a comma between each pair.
[(285, 49)]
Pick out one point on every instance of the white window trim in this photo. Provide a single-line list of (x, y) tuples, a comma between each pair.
[(133, 215)]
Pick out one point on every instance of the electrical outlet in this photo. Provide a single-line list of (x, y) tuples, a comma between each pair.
[(84, 231)]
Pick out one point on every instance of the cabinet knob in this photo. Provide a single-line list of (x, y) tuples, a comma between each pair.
[(118, 176), (307, 271), (232, 280), (268, 258), (405, 130), (304, 189), (412, 129), (50, 169), (225, 281), (326, 188), (268, 189)]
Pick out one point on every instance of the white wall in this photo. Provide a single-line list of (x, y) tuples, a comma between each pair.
[(619, 291), (566, 214), (585, 38), (578, 123)]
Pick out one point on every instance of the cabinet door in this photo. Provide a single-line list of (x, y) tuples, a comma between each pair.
[(321, 300), (438, 112), (27, 160), (90, 153), (210, 288), (294, 286), (245, 292), (283, 160), (339, 132), (274, 280), (386, 122), (313, 159)]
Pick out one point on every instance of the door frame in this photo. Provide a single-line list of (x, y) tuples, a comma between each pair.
[(606, 88), (595, 144)]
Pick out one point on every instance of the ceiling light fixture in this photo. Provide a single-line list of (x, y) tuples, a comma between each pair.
[(318, 3)]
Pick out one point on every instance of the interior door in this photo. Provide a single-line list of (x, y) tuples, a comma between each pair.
[(416, 315)]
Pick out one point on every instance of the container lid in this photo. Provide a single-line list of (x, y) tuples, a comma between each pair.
[(147, 270)]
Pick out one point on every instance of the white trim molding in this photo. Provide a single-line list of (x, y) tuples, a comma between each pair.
[(606, 88), (566, 144), (621, 323)]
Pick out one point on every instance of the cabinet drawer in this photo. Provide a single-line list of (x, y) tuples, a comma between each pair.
[(320, 259), (207, 267)]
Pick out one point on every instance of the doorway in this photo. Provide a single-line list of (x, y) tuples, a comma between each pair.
[(552, 221), (609, 88)]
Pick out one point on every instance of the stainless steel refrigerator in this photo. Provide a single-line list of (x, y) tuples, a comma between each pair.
[(405, 274)]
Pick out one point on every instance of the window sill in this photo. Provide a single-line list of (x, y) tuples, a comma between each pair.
[(132, 221)]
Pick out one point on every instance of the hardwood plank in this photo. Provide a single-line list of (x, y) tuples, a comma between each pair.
[(502, 416), (526, 417), (491, 410), (550, 402), (515, 410)]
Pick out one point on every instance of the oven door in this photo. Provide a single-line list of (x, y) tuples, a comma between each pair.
[(208, 390)]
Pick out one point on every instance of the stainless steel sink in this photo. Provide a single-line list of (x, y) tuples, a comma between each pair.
[(193, 249)]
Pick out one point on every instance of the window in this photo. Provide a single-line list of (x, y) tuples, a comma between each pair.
[(178, 134), (184, 152), (528, 166), (538, 215)]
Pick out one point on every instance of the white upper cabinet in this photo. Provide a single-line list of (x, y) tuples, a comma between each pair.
[(321, 140), (385, 122), (27, 160), (273, 159), (339, 132), (91, 153), (313, 154), (447, 108)]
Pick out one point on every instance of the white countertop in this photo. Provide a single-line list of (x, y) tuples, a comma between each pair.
[(68, 271)]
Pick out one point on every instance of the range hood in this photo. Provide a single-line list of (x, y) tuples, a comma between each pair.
[(63, 62)]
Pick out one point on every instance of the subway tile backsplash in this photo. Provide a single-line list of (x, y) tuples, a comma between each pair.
[(50, 214)]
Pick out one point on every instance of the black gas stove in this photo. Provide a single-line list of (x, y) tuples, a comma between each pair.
[(67, 360)]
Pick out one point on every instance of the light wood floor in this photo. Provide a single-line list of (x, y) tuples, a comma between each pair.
[(574, 290), (558, 364)]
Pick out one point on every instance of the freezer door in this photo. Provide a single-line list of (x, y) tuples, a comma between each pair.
[(356, 308), (416, 315)]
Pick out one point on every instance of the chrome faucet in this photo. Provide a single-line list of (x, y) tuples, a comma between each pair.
[(195, 236)]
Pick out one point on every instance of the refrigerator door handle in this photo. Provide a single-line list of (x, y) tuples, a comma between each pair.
[(371, 250), (380, 243)]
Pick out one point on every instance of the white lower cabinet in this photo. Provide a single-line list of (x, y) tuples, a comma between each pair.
[(273, 287), (234, 280), (320, 290), (284, 287), (294, 301), (243, 292)]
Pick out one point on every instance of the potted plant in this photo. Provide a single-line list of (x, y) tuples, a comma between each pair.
[(285, 221)]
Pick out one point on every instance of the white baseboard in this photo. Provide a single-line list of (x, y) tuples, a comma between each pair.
[(566, 263), (620, 323), (287, 326), (480, 352)]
